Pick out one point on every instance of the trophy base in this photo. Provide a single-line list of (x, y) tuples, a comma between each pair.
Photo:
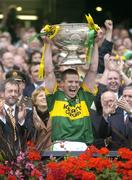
[(71, 61)]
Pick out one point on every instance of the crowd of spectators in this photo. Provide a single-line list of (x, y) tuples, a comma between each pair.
[(111, 108)]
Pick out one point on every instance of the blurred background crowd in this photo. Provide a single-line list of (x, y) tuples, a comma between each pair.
[(20, 59)]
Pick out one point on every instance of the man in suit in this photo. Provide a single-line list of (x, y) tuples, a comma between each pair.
[(35, 81), (126, 104), (20, 77), (113, 122), (14, 121)]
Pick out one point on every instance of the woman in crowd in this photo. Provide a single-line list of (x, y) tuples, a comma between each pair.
[(41, 119)]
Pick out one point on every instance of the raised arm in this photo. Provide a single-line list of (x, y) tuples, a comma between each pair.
[(109, 30), (106, 46), (90, 77), (50, 79)]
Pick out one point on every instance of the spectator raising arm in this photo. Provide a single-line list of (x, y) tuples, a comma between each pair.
[(106, 45)]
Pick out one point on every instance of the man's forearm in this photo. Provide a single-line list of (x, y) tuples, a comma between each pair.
[(94, 64), (48, 60), (50, 79)]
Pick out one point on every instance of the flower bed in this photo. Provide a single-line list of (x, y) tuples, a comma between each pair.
[(28, 165)]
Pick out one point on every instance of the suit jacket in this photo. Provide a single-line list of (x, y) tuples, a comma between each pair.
[(96, 121), (21, 131), (28, 90), (129, 130), (116, 128)]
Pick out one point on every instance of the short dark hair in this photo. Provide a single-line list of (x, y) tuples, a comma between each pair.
[(33, 64), (68, 71), (33, 53)]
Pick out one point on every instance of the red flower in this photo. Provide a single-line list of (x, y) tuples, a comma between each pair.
[(34, 155), (99, 164), (88, 176), (119, 164), (56, 174), (125, 153), (91, 150), (104, 151), (128, 165), (30, 144), (11, 177), (78, 173), (49, 177), (85, 167), (3, 169), (127, 175), (52, 165), (2, 172), (36, 173), (84, 156)]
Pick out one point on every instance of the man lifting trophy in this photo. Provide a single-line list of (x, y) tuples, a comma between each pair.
[(69, 101)]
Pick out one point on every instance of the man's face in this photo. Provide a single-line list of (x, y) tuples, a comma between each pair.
[(34, 74), (19, 62), (4, 42), (70, 85), (113, 81), (11, 94), (127, 95), (8, 60), (36, 57), (108, 100)]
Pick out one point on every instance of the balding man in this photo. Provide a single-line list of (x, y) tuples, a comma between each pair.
[(113, 122)]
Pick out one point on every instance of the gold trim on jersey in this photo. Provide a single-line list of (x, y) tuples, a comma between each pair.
[(85, 88)]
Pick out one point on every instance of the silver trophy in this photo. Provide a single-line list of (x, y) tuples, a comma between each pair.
[(72, 39)]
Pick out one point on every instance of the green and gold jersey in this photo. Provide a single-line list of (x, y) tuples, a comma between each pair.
[(70, 117)]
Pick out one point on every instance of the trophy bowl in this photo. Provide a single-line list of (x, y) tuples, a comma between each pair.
[(72, 39)]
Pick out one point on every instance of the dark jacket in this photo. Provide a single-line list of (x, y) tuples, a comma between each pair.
[(96, 121), (24, 131), (116, 128), (104, 49), (28, 90)]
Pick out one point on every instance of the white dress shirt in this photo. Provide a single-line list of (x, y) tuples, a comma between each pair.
[(3, 119)]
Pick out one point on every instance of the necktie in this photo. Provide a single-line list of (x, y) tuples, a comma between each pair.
[(13, 121)]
